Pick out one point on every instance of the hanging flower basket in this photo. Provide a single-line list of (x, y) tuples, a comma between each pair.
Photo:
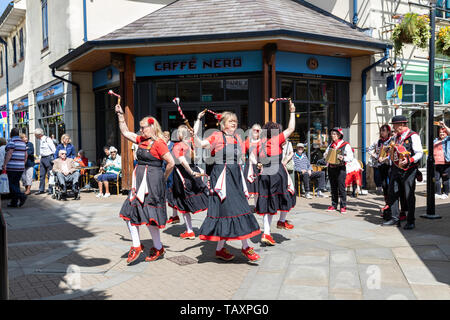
[(412, 29), (443, 41)]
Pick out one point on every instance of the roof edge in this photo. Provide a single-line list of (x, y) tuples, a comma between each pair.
[(281, 32), (6, 12)]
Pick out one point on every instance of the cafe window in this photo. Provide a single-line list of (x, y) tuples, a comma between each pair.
[(51, 118), (189, 91), (212, 90), (236, 89), (165, 91)]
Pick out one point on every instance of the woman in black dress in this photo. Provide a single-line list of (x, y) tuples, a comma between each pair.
[(275, 187), (229, 216), (188, 194), (146, 202)]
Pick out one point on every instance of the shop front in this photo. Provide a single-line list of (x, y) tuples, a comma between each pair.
[(50, 110), (4, 122), (21, 115)]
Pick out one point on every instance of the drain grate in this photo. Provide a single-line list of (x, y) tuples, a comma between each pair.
[(182, 260)]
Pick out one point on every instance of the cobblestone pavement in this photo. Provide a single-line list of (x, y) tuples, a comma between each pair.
[(77, 250)]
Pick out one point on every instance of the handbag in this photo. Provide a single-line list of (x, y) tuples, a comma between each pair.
[(4, 184), (290, 165)]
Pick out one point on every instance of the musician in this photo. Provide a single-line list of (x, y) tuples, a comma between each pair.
[(188, 194), (404, 171), (337, 172), (442, 161)]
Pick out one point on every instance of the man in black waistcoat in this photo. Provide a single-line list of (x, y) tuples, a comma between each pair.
[(405, 175)]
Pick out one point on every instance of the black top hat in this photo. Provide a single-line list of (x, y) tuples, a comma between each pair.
[(338, 131), (399, 119)]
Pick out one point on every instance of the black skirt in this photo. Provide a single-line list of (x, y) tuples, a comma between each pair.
[(152, 211), (230, 219), (273, 191), (190, 196), (251, 186)]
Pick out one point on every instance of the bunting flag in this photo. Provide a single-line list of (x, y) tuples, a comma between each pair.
[(399, 86)]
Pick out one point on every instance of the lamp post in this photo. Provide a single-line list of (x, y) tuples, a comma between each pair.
[(431, 203)]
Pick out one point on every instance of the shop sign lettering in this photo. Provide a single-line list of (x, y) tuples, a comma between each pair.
[(193, 64)]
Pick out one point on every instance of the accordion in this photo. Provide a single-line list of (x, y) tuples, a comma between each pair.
[(332, 156), (399, 153)]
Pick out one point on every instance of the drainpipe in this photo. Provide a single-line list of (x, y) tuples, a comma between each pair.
[(85, 21), (363, 109), (77, 86), (7, 87), (355, 12)]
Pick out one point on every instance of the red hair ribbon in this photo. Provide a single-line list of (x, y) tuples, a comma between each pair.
[(151, 121)]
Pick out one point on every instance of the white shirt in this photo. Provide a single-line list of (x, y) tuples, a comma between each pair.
[(416, 144), (47, 147)]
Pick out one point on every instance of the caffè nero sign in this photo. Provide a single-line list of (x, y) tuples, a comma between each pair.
[(226, 62)]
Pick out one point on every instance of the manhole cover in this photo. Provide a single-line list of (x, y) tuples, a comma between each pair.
[(182, 260)]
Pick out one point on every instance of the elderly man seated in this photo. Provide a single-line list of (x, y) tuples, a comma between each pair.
[(66, 171)]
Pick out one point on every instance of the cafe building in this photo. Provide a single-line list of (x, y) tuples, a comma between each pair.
[(227, 55)]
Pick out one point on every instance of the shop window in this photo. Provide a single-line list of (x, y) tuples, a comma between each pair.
[(165, 92), (236, 89), (189, 91), (301, 90), (286, 89), (408, 93), (420, 94), (21, 121), (212, 90), (51, 118)]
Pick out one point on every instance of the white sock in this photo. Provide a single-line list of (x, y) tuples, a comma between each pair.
[(134, 232), (188, 220), (267, 222), (220, 245), (154, 231), (283, 216), (244, 244), (174, 212)]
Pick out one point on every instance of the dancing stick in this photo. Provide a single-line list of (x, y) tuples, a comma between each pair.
[(218, 116), (271, 100), (112, 93), (177, 103)]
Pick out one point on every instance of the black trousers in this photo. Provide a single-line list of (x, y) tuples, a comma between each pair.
[(402, 183), (44, 169), (315, 175), (385, 170), (337, 182), (442, 171)]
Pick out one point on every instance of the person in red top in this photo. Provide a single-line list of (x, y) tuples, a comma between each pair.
[(441, 144), (275, 186), (146, 202), (188, 194), (82, 161), (229, 216)]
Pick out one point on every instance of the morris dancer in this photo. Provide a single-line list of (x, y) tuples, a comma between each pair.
[(146, 202), (188, 193), (251, 169), (405, 176), (276, 189), (229, 216), (337, 172)]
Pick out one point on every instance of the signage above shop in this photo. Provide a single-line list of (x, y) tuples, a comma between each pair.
[(313, 65), (50, 92), (225, 62), (20, 105)]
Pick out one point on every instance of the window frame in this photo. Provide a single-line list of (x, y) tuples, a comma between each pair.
[(44, 14), (21, 45)]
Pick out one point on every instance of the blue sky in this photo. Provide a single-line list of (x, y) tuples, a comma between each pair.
[(3, 5)]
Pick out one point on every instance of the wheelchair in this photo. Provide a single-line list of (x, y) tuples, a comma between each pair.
[(58, 188)]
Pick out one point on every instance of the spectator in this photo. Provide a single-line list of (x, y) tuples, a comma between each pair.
[(65, 145), (66, 171), (81, 161), (55, 142), (2, 151), (47, 150), (27, 177), (442, 161), (15, 159), (103, 162), (303, 166), (288, 154), (112, 169)]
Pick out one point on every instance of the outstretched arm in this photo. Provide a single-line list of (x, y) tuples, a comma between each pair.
[(291, 126), (131, 136), (197, 141)]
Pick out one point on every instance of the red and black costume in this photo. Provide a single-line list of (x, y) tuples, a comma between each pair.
[(251, 169)]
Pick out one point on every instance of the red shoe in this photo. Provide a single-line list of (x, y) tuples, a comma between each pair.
[(224, 255), (155, 254), (344, 210), (284, 225), (134, 253), (331, 208), (402, 216), (267, 239), (250, 254), (188, 235), (173, 220)]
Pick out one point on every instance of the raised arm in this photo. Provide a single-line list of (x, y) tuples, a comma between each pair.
[(197, 141), (442, 123), (131, 136), (291, 126)]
